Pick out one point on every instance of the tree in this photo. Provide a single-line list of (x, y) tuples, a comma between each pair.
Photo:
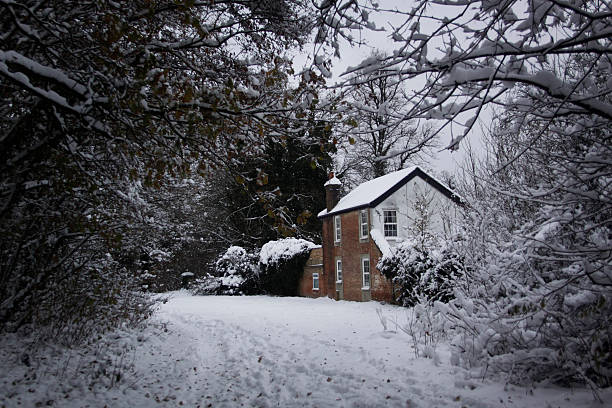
[(485, 48), (379, 143), (275, 193), (106, 107), (545, 262)]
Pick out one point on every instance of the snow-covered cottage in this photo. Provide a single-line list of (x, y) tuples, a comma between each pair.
[(370, 220)]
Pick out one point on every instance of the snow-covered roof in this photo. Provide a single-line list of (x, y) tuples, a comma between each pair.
[(371, 193), (381, 242)]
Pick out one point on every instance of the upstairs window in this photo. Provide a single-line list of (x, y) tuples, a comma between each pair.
[(390, 223), (363, 224), (315, 281), (338, 270), (337, 229)]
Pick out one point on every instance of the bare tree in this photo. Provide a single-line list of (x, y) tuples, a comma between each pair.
[(470, 54), (380, 142)]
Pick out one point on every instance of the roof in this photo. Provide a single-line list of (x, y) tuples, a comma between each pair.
[(373, 192)]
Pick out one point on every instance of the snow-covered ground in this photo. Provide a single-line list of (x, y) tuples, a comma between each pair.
[(259, 352)]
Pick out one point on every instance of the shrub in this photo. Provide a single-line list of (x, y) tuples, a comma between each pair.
[(274, 270), (281, 264), (235, 273), (420, 273)]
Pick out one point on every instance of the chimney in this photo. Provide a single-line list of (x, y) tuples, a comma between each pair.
[(332, 192)]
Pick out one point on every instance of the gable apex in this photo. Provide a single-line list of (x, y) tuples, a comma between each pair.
[(373, 192)]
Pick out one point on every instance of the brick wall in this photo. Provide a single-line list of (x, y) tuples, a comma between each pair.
[(313, 265), (351, 250), (382, 288)]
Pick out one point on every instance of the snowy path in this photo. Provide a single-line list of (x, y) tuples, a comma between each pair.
[(263, 352), (294, 352)]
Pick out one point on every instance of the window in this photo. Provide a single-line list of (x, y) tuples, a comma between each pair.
[(363, 224), (338, 270), (315, 281), (390, 223), (337, 229), (365, 270)]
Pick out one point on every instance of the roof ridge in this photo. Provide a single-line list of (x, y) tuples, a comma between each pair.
[(370, 193)]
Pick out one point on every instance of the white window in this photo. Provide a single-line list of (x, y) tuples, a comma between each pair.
[(363, 224), (390, 223), (338, 270), (365, 271), (337, 229), (315, 281)]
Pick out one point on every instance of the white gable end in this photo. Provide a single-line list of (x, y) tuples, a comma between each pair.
[(420, 210)]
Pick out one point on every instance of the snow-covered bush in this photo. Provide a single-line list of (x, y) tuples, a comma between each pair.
[(205, 285), (534, 318), (421, 274), (427, 327), (235, 273), (275, 270), (424, 323), (282, 263)]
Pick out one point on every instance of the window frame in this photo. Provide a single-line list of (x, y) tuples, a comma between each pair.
[(337, 229), (364, 259), (364, 223), (315, 275), (338, 271), (390, 224)]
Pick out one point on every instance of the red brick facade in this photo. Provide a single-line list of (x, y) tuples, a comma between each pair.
[(350, 250), (314, 265)]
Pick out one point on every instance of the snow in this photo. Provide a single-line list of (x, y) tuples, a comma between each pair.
[(260, 352), (366, 193), (369, 191), (381, 242), (334, 181), (273, 251)]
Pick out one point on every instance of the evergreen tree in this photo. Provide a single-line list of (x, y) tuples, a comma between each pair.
[(279, 192)]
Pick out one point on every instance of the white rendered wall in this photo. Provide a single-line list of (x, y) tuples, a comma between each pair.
[(441, 211)]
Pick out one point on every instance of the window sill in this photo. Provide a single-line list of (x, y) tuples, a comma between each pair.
[(338, 281), (315, 289), (368, 288)]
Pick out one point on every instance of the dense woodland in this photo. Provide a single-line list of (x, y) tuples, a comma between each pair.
[(140, 140)]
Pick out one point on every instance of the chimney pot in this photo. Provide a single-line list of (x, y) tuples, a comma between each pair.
[(332, 192)]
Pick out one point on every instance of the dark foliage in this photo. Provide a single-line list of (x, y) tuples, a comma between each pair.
[(282, 278), (278, 191), (106, 108)]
